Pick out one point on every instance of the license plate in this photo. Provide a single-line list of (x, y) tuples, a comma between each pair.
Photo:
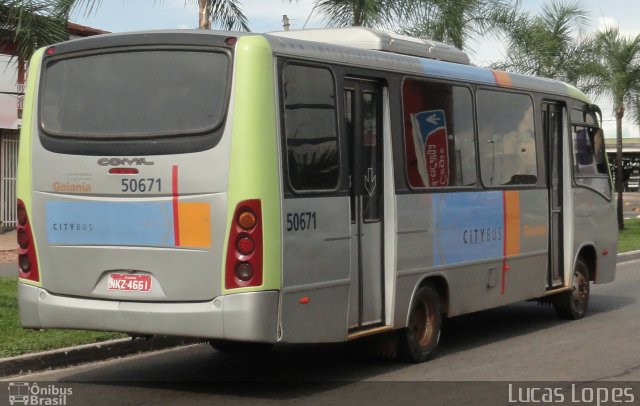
[(129, 282)]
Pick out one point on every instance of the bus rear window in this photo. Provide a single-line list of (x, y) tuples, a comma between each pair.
[(135, 94)]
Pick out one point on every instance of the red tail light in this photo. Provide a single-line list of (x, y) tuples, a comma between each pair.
[(27, 260), (244, 250), (245, 245)]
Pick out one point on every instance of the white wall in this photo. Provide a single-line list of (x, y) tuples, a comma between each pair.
[(8, 102)]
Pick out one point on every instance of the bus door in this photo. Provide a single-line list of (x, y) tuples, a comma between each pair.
[(553, 131), (363, 116)]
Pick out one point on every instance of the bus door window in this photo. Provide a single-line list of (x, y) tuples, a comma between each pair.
[(349, 99), (370, 157)]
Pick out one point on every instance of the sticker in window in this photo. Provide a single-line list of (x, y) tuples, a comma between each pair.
[(431, 144)]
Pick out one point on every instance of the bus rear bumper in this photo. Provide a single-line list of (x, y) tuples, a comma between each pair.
[(244, 316)]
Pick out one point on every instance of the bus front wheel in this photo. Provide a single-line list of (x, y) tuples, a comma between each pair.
[(573, 304), (418, 341)]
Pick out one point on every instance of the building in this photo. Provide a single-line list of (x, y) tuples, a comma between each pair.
[(12, 80), (630, 161)]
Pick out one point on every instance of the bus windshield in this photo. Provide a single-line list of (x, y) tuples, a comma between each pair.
[(135, 94)]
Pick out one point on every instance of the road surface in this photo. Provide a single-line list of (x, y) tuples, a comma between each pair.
[(521, 342)]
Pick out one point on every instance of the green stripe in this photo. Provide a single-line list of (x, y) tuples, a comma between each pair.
[(577, 93), (24, 184), (254, 170)]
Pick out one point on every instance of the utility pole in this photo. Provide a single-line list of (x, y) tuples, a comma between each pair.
[(285, 22)]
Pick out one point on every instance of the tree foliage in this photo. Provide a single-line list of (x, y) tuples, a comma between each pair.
[(30, 24), (455, 22), (546, 44), (614, 73), (226, 14), (365, 13)]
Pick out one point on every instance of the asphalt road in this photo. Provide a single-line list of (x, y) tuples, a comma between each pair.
[(521, 342)]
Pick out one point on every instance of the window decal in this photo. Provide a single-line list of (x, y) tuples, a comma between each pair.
[(430, 138)]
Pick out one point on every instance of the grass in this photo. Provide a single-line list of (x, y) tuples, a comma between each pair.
[(629, 238), (14, 340)]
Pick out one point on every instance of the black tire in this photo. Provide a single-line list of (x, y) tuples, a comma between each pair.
[(572, 305), (238, 347), (419, 340)]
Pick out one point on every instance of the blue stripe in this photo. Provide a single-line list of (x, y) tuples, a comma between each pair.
[(460, 234), (110, 223), (457, 71)]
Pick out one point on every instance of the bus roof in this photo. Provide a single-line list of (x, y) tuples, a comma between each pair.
[(375, 49), (368, 48)]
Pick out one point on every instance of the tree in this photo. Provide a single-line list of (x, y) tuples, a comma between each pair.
[(545, 45), (365, 13), (226, 13), (31, 24), (454, 22), (443, 20), (614, 72)]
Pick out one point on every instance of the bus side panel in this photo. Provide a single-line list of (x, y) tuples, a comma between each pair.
[(491, 247), (24, 183), (595, 225), (254, 170), (316, 269), (524, 272)]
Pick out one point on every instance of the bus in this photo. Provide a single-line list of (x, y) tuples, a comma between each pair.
[(301, 187)]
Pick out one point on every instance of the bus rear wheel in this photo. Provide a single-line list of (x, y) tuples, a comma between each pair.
[(572, 305), (418, 341)]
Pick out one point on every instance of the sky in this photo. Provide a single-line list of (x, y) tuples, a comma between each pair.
[(266, 15)]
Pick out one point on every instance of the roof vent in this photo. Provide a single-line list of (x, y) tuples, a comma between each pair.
[(366, 38)]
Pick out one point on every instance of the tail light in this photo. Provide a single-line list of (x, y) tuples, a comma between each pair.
[(27, 260), (244, 250)]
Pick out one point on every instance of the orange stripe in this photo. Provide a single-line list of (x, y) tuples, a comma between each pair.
[(174, 200), (195, 224), (503, 79), (512, 223), (511, 213)]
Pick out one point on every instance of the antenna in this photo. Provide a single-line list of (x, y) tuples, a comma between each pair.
[(309, 17)]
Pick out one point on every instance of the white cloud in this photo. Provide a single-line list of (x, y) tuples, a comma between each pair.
[(605, 23)]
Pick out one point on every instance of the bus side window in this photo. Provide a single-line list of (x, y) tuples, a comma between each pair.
[(589, 163), (506, 139), (589, 151), (584, 152), (439, 135), (310, 127)]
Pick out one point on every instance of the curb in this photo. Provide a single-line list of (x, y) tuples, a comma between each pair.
[(82, 354), (628, 256)]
